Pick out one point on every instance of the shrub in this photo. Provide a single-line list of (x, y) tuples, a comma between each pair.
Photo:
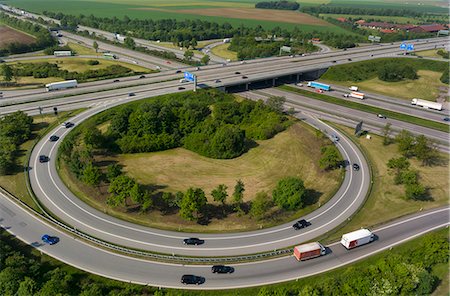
[(93, 62), (289, 193)]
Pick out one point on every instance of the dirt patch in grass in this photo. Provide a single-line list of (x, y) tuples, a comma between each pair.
[(386, 201), (294, 152), (254, 14), (10, 35)]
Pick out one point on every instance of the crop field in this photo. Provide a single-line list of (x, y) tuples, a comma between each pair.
[(10, 35), (432, 6), (234, 12), (385, 18)]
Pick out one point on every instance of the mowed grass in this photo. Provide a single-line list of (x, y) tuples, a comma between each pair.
[(83, 50), (386, 201), (160, 10), (223, 52), (426, 87), (432, 53), (294, 152)]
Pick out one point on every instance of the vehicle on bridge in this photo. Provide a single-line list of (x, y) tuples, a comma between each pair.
[(319, 85), (309, 251), (357, 238), (61, 85), (427, 104)]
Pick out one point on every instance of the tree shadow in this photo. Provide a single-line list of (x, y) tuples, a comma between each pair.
[(312, 196)]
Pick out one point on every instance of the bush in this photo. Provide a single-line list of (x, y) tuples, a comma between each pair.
[(415, 191), (393, 73), (289, 193), (260, 205), (444, 78), (282, 5), (93, 62)]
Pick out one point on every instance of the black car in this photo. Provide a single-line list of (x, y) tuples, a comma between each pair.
[(178, 71), (350, 60), (446, 118), (333, 61), (68, 124), (301, 224), (53, 138), (222, 269), (237, 72), (131, 94), (217, 81), (116, 80), (356, 167), (244, 77), (180, 88), (142, 76), (43, 158), (193, 241), (190, 279)]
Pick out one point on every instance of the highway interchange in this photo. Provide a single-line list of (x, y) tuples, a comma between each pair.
[(99, 96)]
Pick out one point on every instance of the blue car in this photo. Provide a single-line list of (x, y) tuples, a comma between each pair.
[(48, 239)]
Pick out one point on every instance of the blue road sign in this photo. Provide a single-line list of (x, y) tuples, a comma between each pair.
[(410, 47), (189, 76), (403, 46)]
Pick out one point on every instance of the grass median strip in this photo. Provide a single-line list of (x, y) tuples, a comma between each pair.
[(357, 106)]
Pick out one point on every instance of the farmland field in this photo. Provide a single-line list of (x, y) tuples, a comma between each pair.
[(234, 12), (385, 18), (10, 35)]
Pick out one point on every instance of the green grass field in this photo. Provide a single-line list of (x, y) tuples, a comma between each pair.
[(157, 9), (222, 51), (287, 154)]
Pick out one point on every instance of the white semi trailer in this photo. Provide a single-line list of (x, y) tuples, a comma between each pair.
[(427, 104), (61, 85)]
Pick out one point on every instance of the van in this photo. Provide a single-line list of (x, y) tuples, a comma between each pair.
[(183, 80)]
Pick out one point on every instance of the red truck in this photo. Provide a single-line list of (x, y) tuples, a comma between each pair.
[(308, 251)]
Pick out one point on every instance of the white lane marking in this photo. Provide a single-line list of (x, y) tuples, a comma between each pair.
[(178, 237)]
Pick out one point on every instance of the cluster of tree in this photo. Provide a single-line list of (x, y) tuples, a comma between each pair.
[(443, 53), (408, 272), (282, 5), (44, 70), (15, 129), (43, 36), (393, 73), (331, 158), (420, 147), (353, 10), (187, 120), (360, 71)]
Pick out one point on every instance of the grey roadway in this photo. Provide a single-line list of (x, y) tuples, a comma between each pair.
[(52, 192), (357, 114), (77, 253), (255, 70)]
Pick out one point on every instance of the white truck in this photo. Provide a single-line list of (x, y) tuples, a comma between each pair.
[(357, 238), (308, 251), (61, 85), (427, 104), (62, 53), (353, 88), (355, 94)]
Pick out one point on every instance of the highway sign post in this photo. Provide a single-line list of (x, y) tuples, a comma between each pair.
[(191, 77)]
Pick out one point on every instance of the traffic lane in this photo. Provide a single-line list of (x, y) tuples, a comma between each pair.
[(371, 118), (56, 193), (89, 258)]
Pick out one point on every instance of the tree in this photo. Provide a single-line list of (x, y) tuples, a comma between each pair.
[(129, 42), (192, 204), (136, 193), (7, 150), (169, 199), (386, 132), (205, 59), (193, 43), (399, 164), (425, 150), (415, 191), (7, 72), (95, 45), (188, 55), (260, 205), (220, 193), (238, 195), (405, 141), (120, 188), (91, 174), (409, 177), (289, 193), (113, 170), (276, 103), (27, 287), (330, 157)]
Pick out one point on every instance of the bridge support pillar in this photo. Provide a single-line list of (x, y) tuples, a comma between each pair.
[(274, 82), (246, 86)]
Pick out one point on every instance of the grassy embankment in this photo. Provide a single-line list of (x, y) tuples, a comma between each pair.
[(287, 154), (223, 52), (375, 110), (15, 182), (432, 53), (364, 74)]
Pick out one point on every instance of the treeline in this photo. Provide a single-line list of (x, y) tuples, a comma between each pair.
[(43, 36), (282, 5), (15, 129), (360, 71), (249, 48), (182, 31), (44, 70), (331, 9)]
